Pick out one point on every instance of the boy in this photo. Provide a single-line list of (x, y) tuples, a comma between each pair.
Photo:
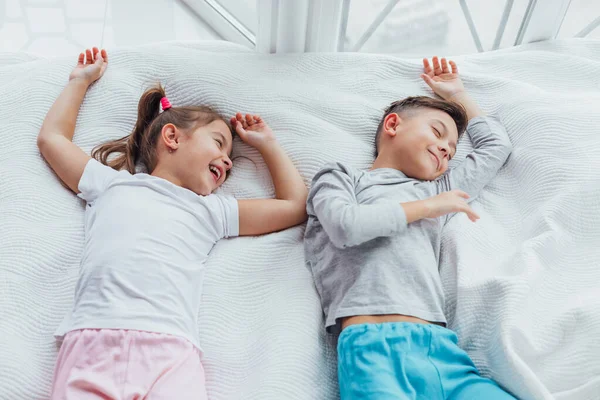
[(373, 240)]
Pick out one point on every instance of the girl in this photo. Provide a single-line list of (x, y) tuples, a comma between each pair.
[(131, 333)]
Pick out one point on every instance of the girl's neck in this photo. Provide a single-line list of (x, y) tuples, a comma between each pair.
[(161, 172)]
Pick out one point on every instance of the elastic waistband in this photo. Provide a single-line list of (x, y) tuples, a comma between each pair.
[(395, 326), (418, 334)]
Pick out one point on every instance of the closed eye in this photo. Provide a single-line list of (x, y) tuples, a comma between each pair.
[(219, 142), (437, 133)]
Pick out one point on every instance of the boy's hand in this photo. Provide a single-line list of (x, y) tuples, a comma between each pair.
[(443, 80), (90, 66), (450, 202), (253, 130)]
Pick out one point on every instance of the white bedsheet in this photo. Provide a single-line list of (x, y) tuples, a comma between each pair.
[(523, 284)]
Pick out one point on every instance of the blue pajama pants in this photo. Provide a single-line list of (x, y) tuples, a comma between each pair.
[(408, 361)]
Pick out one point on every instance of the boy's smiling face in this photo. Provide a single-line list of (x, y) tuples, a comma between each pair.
[(419, 142)]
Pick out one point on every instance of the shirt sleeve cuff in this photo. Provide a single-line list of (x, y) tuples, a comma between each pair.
[(232, 216), (476, 120), (396, 217)]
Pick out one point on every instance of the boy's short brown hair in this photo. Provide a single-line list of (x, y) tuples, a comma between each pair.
[(455, 111)]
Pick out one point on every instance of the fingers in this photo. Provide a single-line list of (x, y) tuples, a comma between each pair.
[(97, 55), (460, 193), (252, 119), (91, 56), (445, 68), (454, 67), (437, 68), (427, 67), (428, 80), (240, 118), (88, 57), (98, 58), (237, 124), (245, 120), (462, 206), (473, 216), (240, 129)]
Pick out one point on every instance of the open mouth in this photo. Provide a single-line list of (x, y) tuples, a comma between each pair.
[(215, 171), (437, 160)]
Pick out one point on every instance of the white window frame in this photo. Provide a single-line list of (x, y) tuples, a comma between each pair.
[(320, 25), (222, 21)]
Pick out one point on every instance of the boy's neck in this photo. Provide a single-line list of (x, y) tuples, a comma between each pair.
[(384, 162)]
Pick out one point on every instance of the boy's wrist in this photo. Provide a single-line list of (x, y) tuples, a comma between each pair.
[(426, 208), (416, 210), (468, 104), (458, 97)]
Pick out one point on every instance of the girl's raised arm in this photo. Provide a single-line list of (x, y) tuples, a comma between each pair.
[(55, 138), (289, 207)]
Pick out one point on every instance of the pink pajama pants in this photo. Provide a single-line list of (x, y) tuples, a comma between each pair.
[(127, 365)]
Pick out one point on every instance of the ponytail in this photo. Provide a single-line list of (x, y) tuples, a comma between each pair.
[(129, 146), (140, 145)]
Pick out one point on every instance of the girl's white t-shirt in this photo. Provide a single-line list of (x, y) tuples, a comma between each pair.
[(146, 244)]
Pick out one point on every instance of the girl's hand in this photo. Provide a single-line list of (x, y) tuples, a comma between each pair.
[(90, 66), (444, 81), (450, 202), (253, 130)]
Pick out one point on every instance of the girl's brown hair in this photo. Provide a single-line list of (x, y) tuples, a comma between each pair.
[(140, 145)]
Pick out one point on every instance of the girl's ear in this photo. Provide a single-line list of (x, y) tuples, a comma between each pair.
[(170, 135)]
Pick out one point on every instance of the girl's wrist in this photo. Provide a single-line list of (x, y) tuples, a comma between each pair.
[(268, 146), (79, 82)]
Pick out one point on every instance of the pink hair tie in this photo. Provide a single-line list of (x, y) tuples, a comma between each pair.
[(165, 103)]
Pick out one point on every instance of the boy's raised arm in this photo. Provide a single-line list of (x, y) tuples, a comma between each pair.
[(491, 145)]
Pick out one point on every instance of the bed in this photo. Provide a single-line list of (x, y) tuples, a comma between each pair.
[(522, 284)]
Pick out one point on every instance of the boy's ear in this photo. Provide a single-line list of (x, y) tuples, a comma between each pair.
[(390, 123), (170, 136)]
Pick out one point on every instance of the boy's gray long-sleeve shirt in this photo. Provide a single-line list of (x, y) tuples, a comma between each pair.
[(365, 258)]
